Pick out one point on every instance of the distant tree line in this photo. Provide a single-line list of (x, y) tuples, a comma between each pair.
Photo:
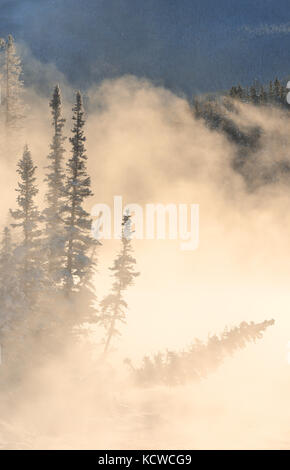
[(218, 113), (274, 93)]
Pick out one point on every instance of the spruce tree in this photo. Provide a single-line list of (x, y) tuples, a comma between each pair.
[(240, 92), (262, 96), (233, 92), (271, 93), (27, 217), (200, 359), (54, 226), (12, 87), (33, 318), (79, 242), (253, 94), (113, 306)]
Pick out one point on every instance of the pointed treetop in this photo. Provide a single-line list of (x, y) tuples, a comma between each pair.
[(55, 105), (56, 99), (26, 152), (78, 107), (25, 165), (79, 97)]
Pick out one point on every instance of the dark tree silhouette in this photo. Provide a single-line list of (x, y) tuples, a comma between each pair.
[(54, 226), (28, 218), (78, 239)]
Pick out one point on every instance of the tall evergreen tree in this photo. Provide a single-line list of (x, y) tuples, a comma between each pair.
[(13, 87), (27, 217), (54, 226), (113, 306), (78, 239)]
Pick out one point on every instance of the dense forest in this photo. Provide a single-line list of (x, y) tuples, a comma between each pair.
[(215, 110)]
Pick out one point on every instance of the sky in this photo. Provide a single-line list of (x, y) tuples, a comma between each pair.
[(188, 46)]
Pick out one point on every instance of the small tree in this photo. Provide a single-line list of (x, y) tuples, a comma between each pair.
[(277, 90), (240, 92), (254, 94), (271, 93), (262, 96), (233, 92), (113, 306)]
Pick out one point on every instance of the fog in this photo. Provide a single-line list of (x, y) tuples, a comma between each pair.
[(144, 143)]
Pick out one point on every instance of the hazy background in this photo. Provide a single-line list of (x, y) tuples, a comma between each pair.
[(144, 144)]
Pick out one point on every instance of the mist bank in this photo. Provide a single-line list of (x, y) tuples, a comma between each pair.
[(146, 144)]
